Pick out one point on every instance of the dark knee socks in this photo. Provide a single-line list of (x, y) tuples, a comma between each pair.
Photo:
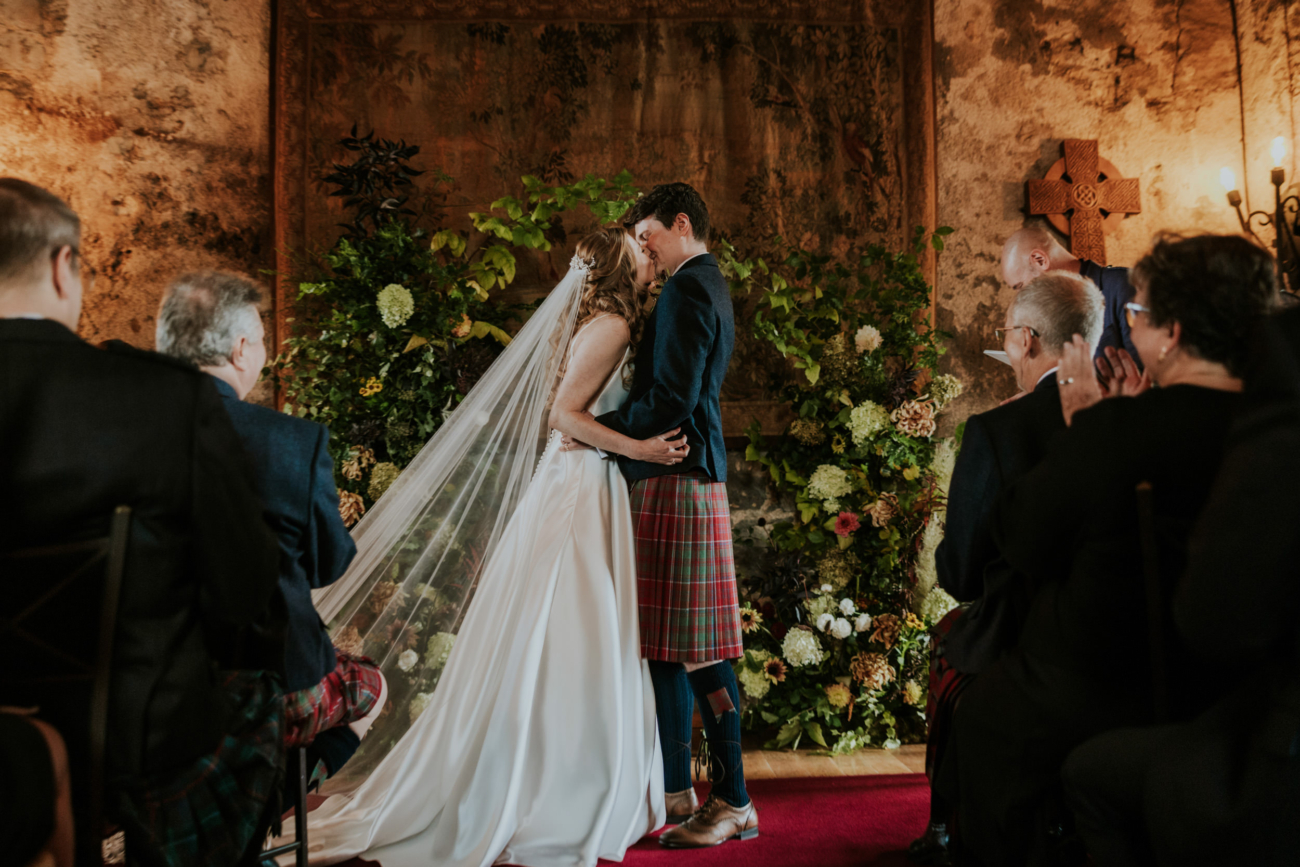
[(674, 706), (718, 695)]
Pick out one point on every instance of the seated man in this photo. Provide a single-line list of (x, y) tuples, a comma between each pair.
[(997, 448), (1033, 250), (192, 754), (211, 320)]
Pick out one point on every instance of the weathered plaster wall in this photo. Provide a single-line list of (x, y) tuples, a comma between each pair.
[(1155, 81), (151, 118)]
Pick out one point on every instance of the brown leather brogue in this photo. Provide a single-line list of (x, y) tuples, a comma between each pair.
[(680, 805), (713, 824)]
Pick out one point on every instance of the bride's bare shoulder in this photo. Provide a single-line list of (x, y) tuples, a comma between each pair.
[(604, 330)]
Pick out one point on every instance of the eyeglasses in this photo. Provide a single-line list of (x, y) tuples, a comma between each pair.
[(1003, 332), (1131, 310)]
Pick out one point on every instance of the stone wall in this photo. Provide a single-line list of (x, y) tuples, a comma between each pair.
[(151, 118), (1156, 82)]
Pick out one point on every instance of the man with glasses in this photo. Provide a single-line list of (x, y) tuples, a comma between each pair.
[(1033, 250), (997, 448)]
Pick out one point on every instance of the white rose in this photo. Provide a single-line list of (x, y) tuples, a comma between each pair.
[(863, 623), (824, 621), (846, 607), (407, 660), (841, 628)]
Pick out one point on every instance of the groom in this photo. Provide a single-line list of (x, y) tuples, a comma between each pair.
[(686, 579)]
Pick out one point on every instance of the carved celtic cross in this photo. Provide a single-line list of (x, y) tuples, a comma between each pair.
[(1095, 206)]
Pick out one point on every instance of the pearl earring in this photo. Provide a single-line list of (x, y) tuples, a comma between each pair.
[(1164, 350)]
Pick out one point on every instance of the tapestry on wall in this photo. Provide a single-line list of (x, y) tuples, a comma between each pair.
[(810, 123)]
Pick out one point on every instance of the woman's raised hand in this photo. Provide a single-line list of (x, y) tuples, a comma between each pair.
[(1119, 374), (1079, 386)]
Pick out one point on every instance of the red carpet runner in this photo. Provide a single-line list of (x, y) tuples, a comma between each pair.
[(811, 822)]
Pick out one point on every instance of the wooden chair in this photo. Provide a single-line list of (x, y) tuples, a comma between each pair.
[(61, 653)]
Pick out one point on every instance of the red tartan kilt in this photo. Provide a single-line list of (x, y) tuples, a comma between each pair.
[(946, 686), (686, 576)]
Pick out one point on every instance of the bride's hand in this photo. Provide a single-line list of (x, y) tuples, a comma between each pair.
[(662, 449)]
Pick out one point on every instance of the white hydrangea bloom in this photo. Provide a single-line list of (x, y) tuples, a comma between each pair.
[(828, 482), (824, 620), (936, 604), (863, 623), (407, 660), (418, 705), (755, 683), (819, 605), (395, 304), (801, 647), (867, 339), (866, 420), (832, 507), (439, 649), (944, 389), (846, 607), (841, 629)]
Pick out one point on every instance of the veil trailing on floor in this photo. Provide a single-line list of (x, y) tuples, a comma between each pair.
[(422, 547)]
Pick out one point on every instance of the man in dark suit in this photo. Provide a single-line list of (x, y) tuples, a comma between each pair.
[(686, 577), (1225, 787), (997, 448), (211, 320), (1033, 250), (84, 430)]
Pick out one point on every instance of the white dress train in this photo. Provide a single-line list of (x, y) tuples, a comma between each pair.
[(539, 747)]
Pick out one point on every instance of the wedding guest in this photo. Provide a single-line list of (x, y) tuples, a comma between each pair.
[(192, 754), (35, 793), (1033, 250), (1070, 525), (1224, 788), (997, 448), (210, 319)]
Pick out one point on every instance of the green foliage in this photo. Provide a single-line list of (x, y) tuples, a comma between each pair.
[(382, 371), (855, 466)]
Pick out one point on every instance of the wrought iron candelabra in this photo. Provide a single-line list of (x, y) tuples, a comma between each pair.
[(1285, 219)]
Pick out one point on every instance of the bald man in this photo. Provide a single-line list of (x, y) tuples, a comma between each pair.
[(1034, 250)]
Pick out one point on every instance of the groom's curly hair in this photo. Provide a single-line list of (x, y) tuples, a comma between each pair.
[(665, 202)]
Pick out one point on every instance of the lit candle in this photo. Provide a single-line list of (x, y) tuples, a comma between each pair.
[(1228, 179), (1278, 150)]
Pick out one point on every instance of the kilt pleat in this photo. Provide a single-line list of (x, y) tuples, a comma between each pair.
[(946, 687), (686, 573)]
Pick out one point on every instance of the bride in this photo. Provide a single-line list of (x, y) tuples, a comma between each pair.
[(538, 746)]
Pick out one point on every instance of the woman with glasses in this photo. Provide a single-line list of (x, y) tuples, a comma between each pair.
[(1071, 525)]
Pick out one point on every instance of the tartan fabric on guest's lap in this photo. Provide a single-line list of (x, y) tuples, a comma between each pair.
[(347, 694), (686, 577)]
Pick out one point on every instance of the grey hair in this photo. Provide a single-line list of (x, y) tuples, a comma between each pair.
[(1059, 305), (204, 313), (34, 224)]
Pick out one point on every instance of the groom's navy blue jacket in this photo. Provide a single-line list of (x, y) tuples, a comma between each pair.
[(295, 476), (680, 364)]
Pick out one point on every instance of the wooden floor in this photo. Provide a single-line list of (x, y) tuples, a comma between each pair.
[(763, 764)]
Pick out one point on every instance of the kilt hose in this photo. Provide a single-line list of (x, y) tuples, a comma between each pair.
[(686, 576), (946, 686)]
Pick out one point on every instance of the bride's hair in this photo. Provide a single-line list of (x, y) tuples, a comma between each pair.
[(611, 283)]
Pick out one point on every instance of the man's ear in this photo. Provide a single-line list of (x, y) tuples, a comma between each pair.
[(1040, 259), (65, 270), (239, 353), (683, 225)]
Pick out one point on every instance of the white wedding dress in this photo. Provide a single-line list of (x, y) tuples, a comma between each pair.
[(539, 747)]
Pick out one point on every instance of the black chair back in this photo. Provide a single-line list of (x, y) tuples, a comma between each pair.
[(60, 651)]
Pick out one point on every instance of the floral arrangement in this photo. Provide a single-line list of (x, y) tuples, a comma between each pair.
[(836, 634)]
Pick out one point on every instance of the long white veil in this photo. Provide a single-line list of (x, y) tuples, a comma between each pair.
[(422, 547)]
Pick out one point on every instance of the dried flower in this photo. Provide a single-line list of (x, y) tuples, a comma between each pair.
[(382, 478), (867, 339), (349, 641), (407, 660), (801, 647), (888, 627), (944, 389), (883, 510), (837, 569), (395, 305), (819, 605), (463, 328), (750, 620), (383, 593), (808, 431), (866, 420), (914, 418), (828, 482), (872, 670), (351, 507), (936, 604), (840, 629), (838, 695), (846, 523), (838, 362), (359, 457), (774, 669)]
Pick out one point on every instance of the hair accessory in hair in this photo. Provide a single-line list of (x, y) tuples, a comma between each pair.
[(577, 263)]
